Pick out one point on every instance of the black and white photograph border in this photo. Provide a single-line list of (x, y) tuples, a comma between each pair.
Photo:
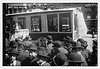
[(18, 25)]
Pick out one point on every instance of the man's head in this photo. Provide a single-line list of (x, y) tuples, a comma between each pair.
[(83, 42), (33, 50), (77, 47), (57, 44), (60, 59)]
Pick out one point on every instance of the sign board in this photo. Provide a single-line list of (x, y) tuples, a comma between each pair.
[(20, 33)]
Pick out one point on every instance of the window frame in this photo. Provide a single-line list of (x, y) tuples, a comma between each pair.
[(36, 16), (70, 22), (52, 20)]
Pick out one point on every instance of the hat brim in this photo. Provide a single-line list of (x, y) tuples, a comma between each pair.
[(77, 47), (43, 56), (76, 62), (33, 49), (13, 54), (55, 46)]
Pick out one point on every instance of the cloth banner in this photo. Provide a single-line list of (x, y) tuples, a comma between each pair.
[(20, 33)]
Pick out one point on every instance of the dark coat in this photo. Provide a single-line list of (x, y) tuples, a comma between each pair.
[(54, 52), (26, 62), (30, 62), (93, 60), (86, 54)]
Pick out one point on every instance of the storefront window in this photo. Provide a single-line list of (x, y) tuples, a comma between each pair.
[(52, 23), (64, 22), (35, 23)]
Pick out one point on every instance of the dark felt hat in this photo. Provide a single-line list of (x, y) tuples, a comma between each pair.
[(17, 39), (13, 52), (28, 37), (13, 44), (33, 47), (60, 59), (57, 44), (20, 43), (68, 39), (83, 42), (77, 45), (43, 52), (49, 37)]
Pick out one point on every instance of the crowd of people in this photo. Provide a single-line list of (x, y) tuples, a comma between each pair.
[(48, 52)]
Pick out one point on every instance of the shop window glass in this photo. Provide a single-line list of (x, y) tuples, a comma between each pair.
[(64, 22), (35, 23), (52, 23)]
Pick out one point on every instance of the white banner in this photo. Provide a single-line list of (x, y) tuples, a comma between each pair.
[(20, 33)]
